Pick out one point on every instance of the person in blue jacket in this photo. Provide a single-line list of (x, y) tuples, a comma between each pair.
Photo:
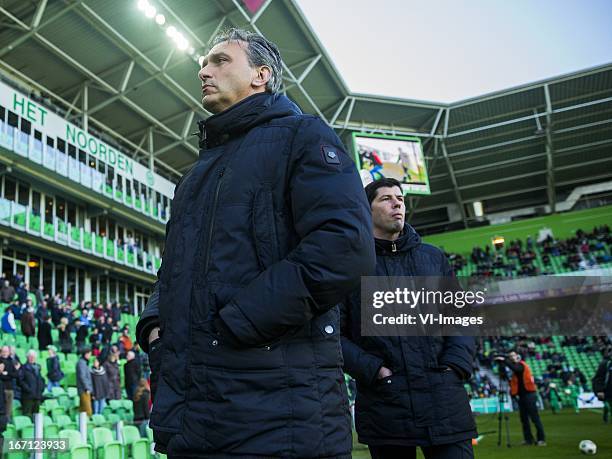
[(409, 388), (269, 230)]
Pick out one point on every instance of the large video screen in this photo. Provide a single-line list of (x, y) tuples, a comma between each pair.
[(401, 158)]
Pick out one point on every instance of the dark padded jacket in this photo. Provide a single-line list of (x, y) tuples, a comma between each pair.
[(424, 402), (269, 230)]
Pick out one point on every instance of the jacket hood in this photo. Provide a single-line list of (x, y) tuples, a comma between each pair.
[(243, 116), (408, 240)]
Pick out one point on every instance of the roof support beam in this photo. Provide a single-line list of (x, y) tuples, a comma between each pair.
[(286, 68), (550, 152), (92, 76), (339, 110), (40, 10), (451, 173), (31, 31), (85, 105)]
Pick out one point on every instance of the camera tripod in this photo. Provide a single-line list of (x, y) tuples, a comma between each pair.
[(502, 413)]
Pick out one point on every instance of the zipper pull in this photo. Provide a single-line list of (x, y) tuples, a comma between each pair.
[(221, 172), (393, 247)]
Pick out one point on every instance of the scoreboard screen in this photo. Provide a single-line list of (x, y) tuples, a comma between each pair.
[(397, 157)]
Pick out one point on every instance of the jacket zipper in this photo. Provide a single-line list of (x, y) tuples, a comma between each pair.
[(393, 247), (211, 226)]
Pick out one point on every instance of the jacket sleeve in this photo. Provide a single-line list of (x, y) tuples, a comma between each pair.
[(149, 319), (332, 219), (358, 363), (459, 351)]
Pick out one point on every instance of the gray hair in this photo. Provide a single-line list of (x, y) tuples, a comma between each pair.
[(32, 353), (260, 51)]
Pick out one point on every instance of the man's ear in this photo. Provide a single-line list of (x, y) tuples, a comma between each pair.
[(262, 76)]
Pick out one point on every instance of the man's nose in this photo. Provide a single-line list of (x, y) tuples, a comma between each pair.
[(204, 74)]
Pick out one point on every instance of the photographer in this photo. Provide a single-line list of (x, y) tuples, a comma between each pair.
[(602, 382), (522, 386)]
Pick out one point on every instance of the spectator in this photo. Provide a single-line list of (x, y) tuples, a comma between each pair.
[(54, 371), (44, 334), (111, 365), (8, 376), (7, 292), (101, 386), (8, 321), (22, 293), (65, 339), (125, 342), (131, 374), (84, 382), (40, 295), (28, 324), (81, 334), (142, 396), (32, 385), (107, 330)]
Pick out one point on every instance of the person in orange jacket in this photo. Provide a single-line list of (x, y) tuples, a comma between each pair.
[(524, 389)]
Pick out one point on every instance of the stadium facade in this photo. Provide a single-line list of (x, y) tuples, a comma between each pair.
[(97, 106)]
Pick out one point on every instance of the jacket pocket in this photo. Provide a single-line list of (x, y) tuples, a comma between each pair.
[(264, 229)]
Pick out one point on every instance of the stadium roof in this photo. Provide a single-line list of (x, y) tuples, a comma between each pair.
[(105, 61)]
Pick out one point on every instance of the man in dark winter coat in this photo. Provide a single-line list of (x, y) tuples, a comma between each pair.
[(44, 334), (269, 230), (32, 385), (409, 389)]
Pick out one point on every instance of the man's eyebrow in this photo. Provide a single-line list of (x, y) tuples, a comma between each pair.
[(213, 56)]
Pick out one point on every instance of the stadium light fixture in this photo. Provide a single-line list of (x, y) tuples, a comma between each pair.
[(172, 32)]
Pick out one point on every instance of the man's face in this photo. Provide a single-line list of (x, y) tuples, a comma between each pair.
[(5, 352), (514, 357), (227, 77), (388, 210)]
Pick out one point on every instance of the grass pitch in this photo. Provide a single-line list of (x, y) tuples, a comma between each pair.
[(563, 433)]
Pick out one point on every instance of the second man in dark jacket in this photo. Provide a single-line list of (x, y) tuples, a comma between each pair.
[(409, 388)]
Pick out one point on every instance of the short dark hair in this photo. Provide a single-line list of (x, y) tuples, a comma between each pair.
[(373, 187)]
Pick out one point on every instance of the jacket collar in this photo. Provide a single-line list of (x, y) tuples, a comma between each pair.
[(408, 240), (243, 116)]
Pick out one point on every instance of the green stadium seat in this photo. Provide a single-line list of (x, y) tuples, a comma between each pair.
[(112, 419), (49, 230), (21, 422), (64, 422), (115, 404), (78, 448), (138, 446), (104, 445), (57, 391), (50, 404)]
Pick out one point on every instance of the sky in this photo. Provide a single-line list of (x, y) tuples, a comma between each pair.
[(446, 51)]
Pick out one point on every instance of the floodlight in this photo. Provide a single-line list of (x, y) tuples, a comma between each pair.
[(150, 11)]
